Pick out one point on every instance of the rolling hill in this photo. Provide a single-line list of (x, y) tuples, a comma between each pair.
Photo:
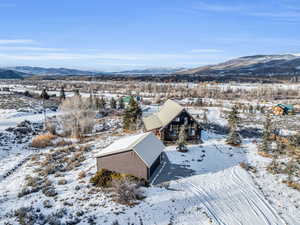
[(53, 71), (256, 65), (11, 74)]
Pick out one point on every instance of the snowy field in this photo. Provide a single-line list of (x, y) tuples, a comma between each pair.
[(204, 186), (218, 191)]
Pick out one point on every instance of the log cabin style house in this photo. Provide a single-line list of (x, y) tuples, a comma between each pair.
[(167, 122)]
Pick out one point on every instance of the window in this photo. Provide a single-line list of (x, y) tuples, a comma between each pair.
[(186, 120), (173, 133), (192, 132)]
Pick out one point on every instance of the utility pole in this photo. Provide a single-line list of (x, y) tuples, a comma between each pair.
[(44, 96)]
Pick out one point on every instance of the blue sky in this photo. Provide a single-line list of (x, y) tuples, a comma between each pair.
[(115, 35)]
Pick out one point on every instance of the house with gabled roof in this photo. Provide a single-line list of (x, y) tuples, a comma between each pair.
[(166, 123), (138, 155), (281, 109)]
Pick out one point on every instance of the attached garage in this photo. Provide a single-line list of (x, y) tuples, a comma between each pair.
[(138, 155)]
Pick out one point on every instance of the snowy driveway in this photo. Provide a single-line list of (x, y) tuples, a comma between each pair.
[(220, 187), (231, 198)]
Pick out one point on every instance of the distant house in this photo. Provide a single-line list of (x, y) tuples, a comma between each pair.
[(167, 122), (126, 99), (137, 155), (282, 109), (297, 108)]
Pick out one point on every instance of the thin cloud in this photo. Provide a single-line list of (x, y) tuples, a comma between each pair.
[(281, 12), (287, 16), (259, 40), (206, 51), (104, 56), (15, 41), (217, 7), (24, 48)]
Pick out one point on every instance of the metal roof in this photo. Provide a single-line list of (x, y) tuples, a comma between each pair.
[(166, 114), (146, 145), (286, 107)]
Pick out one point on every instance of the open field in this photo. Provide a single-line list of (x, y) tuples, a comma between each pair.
[(208, 184)]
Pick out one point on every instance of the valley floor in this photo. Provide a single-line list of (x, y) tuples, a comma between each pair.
[(212, 189)]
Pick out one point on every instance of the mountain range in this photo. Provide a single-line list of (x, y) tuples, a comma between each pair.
[(256, 65), (53, 71)]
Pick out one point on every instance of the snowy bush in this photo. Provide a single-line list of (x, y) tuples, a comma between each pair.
[(81, 175), (126, 191), (104, 178), (49, 191), (26, 216), (62, 182)]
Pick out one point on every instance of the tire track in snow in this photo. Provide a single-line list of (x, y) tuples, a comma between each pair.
[(231, 199), (252, 189), (201, 192)]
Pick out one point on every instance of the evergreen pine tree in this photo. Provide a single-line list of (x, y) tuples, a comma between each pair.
[(132, 115), (113, 103), (199, 102), (181, 142), (295, 140), (97, 103), (44, 94), (121, 103), (135, 109), (62, 95), (102, 103), (266, 136), (76, 92), (233, 121), (127, 120), (250, 109), (290, 169)]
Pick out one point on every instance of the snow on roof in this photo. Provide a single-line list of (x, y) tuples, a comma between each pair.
[(166, 114), (147, 146)]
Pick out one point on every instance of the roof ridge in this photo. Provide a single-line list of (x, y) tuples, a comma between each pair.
[(133, 144)]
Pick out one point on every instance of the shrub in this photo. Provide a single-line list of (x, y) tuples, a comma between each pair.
[(25, 216), (294, 185), (42, 140), (81, 175), (62, 182), (274, 167), (248, 167), (104, 178), (127, 191), (49, 191), (264, 154), (244, 165), (63, 143)]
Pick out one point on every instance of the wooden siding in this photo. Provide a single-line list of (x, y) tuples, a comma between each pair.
[(125, 162), (170, 133), (278, 111)]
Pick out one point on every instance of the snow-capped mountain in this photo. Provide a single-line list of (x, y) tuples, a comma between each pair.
[(159, 70), (252, 65), (52, 71)]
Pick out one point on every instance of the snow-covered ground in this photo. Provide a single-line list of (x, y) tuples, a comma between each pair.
[(12, 118), (204, 186), (218, 191)]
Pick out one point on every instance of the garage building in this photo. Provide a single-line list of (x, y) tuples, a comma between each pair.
[(138, 155)]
